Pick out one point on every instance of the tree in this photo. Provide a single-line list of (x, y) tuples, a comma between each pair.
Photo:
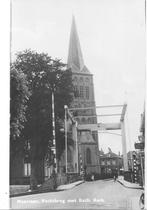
[(44, 75), (19, 95)]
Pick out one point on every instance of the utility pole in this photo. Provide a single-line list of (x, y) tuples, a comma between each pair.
[(53, 148), (65, 122)]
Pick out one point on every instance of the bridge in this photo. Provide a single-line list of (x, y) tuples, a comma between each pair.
[(120, 125)]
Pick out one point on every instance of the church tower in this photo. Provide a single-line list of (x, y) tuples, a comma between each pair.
[(83, 97)]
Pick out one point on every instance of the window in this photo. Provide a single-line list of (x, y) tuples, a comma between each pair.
[(47, 171), (113, 162), (89, 120), (87, 80), (27, 169), (95, 135), (75, 80), (81, 80), (108, 162), (87, 92), (69, 155), (81, 92), (103, 162), (76, 91), (88, 156)]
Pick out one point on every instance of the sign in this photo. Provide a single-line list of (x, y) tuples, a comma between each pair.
[(139, 145)]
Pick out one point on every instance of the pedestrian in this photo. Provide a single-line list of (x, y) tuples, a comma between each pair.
[(114, 178), (92, 177)]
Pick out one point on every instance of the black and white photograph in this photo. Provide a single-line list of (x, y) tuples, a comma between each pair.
[(77, 104)]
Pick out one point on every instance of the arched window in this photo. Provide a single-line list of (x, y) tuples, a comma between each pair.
[(69, 155), (76, 91), (88, 156)]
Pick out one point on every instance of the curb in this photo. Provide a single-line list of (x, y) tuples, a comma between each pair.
[(72, 186), (41, 191), (79, 183), (33, 192), (139, 188)]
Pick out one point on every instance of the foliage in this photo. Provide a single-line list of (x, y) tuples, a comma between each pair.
[(44, 76), (19, 95)]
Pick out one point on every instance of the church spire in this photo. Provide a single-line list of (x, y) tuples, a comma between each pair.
[(75, 57)]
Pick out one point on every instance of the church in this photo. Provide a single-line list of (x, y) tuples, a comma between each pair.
[(87, 144), (83, 104)]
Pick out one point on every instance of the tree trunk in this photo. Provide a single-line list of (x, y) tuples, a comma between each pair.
[(33, 177), (34, 164)]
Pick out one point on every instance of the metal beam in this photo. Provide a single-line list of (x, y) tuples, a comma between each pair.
[(123, 112), (83, 108), (109, 126), (99, 115), (92, 127), (124, 146), (100, 126)]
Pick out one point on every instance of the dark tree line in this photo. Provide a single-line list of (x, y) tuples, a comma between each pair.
[(33, 77)]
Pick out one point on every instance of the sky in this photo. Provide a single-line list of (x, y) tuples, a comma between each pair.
[(112, 38)]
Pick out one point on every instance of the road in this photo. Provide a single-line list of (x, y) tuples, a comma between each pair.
[(101, 194)]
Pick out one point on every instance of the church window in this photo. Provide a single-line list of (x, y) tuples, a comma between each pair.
[(88, 156), (69, 155), (94, 135), (81, 92), (76, 91), (87, 92)]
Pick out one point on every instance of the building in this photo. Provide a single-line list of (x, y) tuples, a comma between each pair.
[(83, 97), (140, 154), (111, 163)]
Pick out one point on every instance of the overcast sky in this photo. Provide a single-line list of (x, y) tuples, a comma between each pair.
[(112, 37)]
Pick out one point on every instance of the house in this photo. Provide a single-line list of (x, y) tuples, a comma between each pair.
[(110, 163)]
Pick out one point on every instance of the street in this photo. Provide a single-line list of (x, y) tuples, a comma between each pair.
[(101, 194)]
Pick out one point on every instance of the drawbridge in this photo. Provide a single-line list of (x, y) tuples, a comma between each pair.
[(119, 125)]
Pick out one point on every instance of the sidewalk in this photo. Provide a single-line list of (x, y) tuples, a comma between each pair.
[(61, 187), (128, 184), (69, 186)]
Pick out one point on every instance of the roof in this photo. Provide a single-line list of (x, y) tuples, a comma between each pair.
[(75, 57)]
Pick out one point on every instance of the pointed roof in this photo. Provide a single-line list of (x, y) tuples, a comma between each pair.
[(75, 57)]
